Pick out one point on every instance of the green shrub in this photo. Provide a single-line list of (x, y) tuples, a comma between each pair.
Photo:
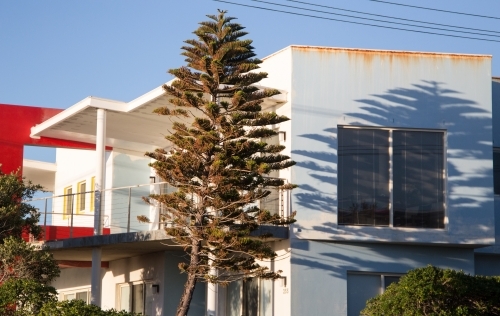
[(24, 296), (77, 308), (441, 292)]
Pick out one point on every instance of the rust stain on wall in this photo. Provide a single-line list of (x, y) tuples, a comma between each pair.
[(369, 55)]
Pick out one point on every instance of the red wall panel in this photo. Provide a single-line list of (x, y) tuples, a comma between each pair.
[(15, 129)]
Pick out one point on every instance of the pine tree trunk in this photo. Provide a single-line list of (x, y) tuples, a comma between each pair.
[(187, 295)]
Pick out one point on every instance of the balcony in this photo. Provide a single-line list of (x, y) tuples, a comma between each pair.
[(71, 215)]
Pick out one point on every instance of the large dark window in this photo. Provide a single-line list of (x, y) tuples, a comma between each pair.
[(496, 171), (363, 177), (417, 177)]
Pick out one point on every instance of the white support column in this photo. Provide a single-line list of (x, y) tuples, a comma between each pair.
[(100, 147), (212, 289), (212, 296), (95, 279)]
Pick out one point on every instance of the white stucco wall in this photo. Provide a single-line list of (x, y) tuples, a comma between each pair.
[(123, 168), (331, 87), (146, 268), (73, 167), (319, 269), (149, 268)]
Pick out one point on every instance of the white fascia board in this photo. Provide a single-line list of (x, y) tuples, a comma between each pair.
[(106, 104), (75, 109), (146, 98), (278, 52), (367, 50), (40, 165)]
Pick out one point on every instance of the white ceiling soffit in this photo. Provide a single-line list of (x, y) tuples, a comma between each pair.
[(39, 172), (131, 125)]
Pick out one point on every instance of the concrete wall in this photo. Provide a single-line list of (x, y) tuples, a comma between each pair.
[(319, 269), (174, 285), (279, 77), (331, 87), (147, 268), (282, 299), (73, 279), (152, 268)]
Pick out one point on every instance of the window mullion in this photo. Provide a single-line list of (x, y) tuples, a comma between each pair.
[(382, 284), (391, 186)]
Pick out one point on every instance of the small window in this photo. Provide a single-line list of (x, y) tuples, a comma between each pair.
[(69, 297), (362, 286), (138, 298), (83, 295), (389, 279), (68, 201), (125, 298), (92, 193), (253, 297), (81, 196), (131, 297)]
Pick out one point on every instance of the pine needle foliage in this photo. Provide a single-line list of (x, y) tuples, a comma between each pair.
[(219, 160)]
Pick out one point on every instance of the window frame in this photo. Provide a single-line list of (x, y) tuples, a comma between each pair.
[(68, 202), (81, 203), (391, 175), (382, 275), (63, 294), (358, 294), (92, 194), (131, 285), (243, 296), (496, 169)]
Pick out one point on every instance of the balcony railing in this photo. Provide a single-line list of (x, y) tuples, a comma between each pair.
[(72, 215)]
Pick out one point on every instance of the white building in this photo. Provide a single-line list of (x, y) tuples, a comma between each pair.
[(394, 155)]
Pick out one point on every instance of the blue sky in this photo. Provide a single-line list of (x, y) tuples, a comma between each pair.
[(55, 53)]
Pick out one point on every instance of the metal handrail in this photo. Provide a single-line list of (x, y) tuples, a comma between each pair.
[(93, 191), (122, 208), (117, 188)]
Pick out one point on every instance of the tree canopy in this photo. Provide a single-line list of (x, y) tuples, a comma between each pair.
[(23, 297), (17, 216), (439, 292), (25, 271), (20, 260), (218, 158)]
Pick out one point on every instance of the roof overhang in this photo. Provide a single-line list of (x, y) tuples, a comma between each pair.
[(131, 125), (39, 172)]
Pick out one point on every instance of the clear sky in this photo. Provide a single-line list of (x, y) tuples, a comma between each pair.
[(54, 53)]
